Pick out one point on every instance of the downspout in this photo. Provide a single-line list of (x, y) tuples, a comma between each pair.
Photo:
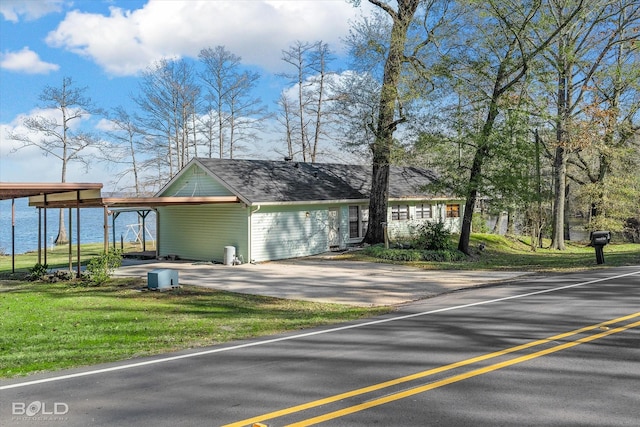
[(157, 231), (251, 232)]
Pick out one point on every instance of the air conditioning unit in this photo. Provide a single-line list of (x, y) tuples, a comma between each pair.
[(162, 278)]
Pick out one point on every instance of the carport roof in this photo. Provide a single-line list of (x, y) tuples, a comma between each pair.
[(88, 195), (16, 190), (129, 202)]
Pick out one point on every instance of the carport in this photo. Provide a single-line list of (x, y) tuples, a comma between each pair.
[(76, 194), (84, 195)]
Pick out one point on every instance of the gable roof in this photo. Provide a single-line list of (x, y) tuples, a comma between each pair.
[(264, 181)]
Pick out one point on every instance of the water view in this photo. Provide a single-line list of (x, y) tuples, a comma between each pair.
[(91, 230)]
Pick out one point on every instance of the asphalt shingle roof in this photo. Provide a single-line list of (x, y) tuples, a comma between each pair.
[(284, 181)]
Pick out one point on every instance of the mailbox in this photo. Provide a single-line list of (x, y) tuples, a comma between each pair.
[(598, 240)]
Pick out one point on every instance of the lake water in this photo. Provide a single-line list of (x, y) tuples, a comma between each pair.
[(91, 230)]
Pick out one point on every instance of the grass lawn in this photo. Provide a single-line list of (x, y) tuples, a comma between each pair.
[(503, 253), (58, 257), (47, 326), (515, 254)]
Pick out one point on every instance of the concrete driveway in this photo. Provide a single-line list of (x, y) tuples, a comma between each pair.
[(322, 279)]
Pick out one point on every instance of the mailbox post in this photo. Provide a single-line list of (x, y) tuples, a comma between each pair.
[(598, 240)]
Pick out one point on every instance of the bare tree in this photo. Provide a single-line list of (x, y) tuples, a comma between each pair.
[(232, 111), (246, 113), (57, 135), (220, 75), (128, 141), (168, 98), (307, 113), (286, 120)]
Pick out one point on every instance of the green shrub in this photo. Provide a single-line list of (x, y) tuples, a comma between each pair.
[(409, 255), (100, 269), (433, 236), (38, 272), (479, 223)]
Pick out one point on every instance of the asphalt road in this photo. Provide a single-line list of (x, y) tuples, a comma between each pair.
[(543, 350)]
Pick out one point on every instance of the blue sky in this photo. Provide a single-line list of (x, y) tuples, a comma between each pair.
[(104, 45)]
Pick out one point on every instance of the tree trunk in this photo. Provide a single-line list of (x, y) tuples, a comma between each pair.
[(61, 238), (560, 160), (470, 203), (387, 122), (475, 177), (497, 228), (560, 179), (511, 224), (378, 201)]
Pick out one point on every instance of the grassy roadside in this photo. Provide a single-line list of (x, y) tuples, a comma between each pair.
[(503, 253), (55, 326)]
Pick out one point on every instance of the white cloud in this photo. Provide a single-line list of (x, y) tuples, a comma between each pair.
[(126, 42), (106, 125), (31, 10), (26, 61)]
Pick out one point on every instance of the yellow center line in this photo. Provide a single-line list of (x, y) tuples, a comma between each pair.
[(457, 378), (423, 374)]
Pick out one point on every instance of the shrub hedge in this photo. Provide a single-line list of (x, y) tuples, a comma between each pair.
[(446, 255)]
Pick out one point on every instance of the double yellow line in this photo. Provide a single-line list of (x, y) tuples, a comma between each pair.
[(604, 327)]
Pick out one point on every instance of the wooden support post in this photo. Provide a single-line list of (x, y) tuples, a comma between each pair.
[(78, 232)]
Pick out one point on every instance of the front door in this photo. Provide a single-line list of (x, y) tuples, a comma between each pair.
[(334, 228)]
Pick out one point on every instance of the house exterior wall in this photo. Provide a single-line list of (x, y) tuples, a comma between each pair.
[(201, 232), (263, 233), (271, 232), (404, 228), (280, 232)]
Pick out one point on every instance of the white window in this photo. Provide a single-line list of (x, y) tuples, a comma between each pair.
[(453, 211), (358, 221), (399, 212), (423, 211)]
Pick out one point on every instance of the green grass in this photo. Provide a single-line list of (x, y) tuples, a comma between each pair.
[(58, 257), (47, 326), (503, 253), (514, 253)]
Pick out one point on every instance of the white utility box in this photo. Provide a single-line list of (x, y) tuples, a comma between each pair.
[(162, 278)]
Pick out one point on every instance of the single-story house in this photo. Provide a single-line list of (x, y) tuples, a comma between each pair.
[(286, 209)]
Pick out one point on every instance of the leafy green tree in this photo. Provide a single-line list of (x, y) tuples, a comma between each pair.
[(580, 52), (410, 36), (497, 65), (604, 164)]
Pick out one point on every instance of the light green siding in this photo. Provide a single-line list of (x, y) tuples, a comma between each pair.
[(280, 232), (201, 232), (195, 182)]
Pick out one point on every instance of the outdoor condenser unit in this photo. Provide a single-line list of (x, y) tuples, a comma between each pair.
[(162, 278)]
